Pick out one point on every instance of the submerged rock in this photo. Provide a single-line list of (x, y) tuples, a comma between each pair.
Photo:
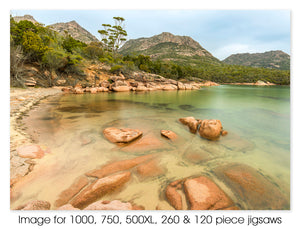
[(99, 188), (146, 143), (173, 196), (30, 151), (253, 188), (150, 168), (109, 205), (191, 122), (196, 154), (119, 166), (66, 195), (203, 194), (169, 134), (210, 129), (123, 135)]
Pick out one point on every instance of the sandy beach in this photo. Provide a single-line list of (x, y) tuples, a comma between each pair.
[(21, 101)]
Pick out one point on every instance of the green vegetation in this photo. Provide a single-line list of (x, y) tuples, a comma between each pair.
[(217, 72), (35, 44), (113, 36), (272, 59)]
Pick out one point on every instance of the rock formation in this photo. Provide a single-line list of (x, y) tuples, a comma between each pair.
[(210, 129), (124, 135)]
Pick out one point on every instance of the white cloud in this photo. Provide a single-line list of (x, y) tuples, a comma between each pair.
[(227, 50)]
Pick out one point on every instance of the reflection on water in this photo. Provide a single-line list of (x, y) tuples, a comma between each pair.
[(257, 119)]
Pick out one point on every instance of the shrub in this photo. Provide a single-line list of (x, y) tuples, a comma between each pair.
[(116, 69)]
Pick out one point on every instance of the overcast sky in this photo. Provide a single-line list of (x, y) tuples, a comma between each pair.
[(221, 32)]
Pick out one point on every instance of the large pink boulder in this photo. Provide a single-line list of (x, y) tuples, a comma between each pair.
[(203, 194), (121, 88), (210, 129), (99, 188), (124, 135), (173, 196), (30, 151), (169, 87)]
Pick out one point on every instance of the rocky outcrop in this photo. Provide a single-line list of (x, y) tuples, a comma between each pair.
[(121, 88), (137, 82), (31, 82), (262, 83), (124, 135), (210, 129)]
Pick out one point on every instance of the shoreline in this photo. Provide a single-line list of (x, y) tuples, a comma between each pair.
[(22, 101)]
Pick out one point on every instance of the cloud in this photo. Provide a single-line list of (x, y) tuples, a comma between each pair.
[(229, 49)]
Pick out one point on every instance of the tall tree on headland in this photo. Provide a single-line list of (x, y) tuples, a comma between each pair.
[(113, 36)]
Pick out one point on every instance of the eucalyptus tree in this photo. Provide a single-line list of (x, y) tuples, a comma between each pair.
[(113, 36)]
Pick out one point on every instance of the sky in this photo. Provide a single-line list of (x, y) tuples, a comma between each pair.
[(221, 32)]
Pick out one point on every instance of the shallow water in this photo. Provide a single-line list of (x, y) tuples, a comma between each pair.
[(257, 119)]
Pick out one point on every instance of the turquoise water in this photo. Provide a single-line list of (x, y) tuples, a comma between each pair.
[(257, 119)]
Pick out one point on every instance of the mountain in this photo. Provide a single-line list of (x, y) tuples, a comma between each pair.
[(75, 30), (272, 59), (72, 27), (25, 17), (166, 46)]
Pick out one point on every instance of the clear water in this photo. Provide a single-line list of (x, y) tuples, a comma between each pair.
[(257, 119)]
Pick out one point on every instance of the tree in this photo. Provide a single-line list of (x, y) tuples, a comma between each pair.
[(113, 36), (33, 45)]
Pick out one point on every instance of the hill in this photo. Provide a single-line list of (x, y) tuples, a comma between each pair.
[(75, 30), (169, 47), (272, 59), (26, 17)]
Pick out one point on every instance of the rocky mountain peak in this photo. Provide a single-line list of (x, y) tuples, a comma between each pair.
[(75, 30), (163, 43), (271, 59), (25, 17)]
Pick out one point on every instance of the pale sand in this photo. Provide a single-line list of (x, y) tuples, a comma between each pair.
[(21, 101)]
